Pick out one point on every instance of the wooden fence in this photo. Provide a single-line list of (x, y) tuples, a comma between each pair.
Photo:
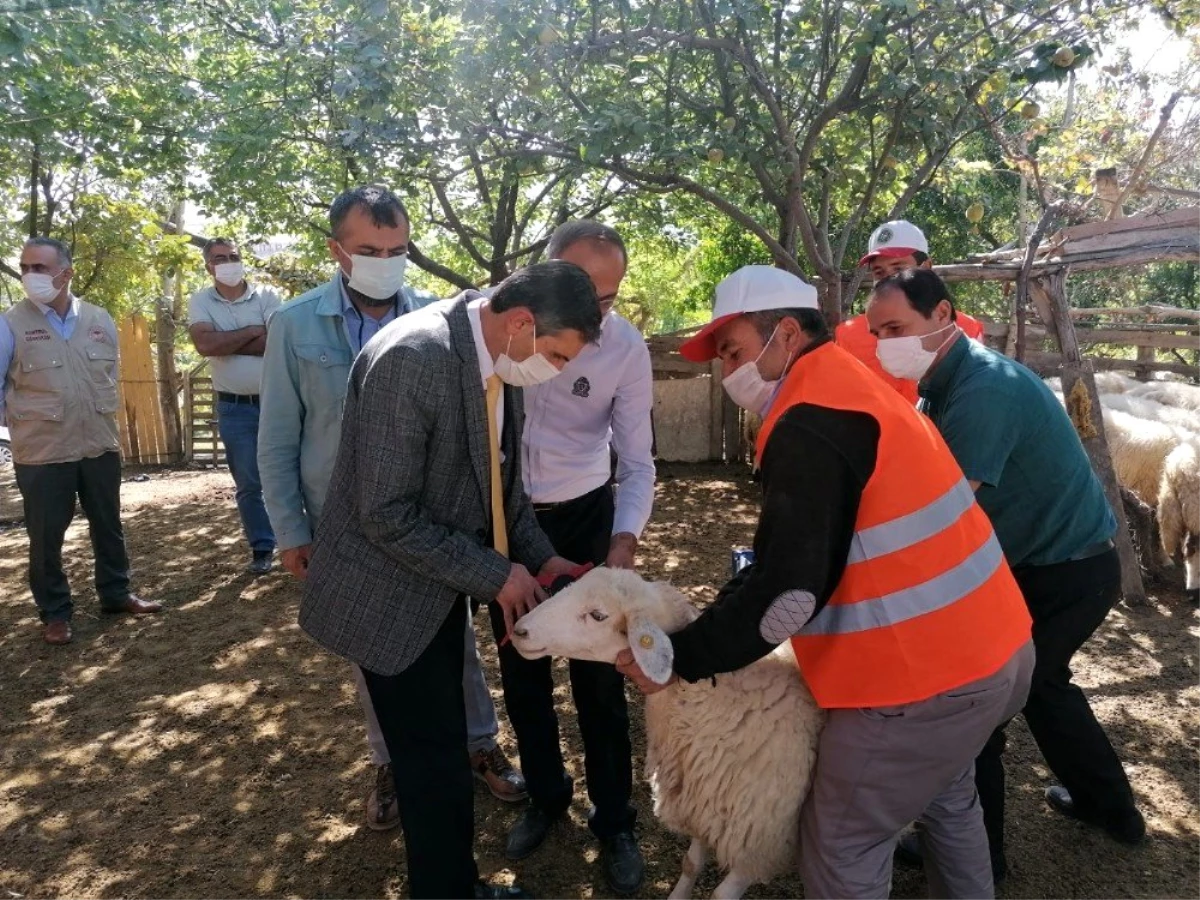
[(144, 437)]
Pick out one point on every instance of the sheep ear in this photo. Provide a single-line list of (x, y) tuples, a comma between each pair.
[(651, 648)]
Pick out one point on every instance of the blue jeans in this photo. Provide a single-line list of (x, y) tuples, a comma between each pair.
[(238, 425)]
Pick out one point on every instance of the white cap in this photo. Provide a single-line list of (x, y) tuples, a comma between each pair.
[(898, 238), (749, 289)]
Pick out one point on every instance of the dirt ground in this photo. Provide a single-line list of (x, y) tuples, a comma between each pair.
[(214, 751)]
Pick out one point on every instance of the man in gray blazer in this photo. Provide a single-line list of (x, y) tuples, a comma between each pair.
[(410, 532)]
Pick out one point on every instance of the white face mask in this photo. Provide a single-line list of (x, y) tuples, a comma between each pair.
[(375, 277), (748, 389), (906, 357), (230, 274), (40, 288), (527, 372)]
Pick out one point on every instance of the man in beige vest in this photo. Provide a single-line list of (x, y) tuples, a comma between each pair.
[(59, 399)]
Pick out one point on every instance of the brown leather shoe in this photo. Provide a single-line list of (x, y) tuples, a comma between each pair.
[(57, 633), (135, 606), (493, 769), (383, 809)]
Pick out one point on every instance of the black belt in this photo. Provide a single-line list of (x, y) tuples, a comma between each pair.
[(546, 507), (252, 399), (1092, 550)]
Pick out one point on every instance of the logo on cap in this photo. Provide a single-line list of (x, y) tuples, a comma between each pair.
[(885, 236)]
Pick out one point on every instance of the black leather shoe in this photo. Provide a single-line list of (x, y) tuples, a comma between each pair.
[(529, 832), (908, 851), (622, 863), (485, 891), (1127, 827)]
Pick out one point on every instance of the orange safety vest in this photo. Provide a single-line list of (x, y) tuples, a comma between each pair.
[(927, 602), (855, 337)]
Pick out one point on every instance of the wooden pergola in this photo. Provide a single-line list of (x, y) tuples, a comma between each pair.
[(1040, 273)]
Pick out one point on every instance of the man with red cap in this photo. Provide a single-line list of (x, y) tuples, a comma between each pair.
[(874, 561), (894, 246)]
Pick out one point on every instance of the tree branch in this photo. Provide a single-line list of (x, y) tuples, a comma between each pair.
[(1136, 174), (433, 268)]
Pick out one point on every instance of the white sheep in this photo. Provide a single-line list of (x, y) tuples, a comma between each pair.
[(1144, 407), (729, 762), (1139, 449), (1179, 510), (1106, 383), (1170, 393)]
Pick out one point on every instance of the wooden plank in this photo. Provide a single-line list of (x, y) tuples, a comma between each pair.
[(1150, 310), (1138, 339), (1187, 216), (680, 365), (716, 407), (732, 416), (1047, 364)]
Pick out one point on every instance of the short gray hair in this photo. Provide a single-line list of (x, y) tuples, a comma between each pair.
[(64, 252), (811, 321), (575, 230)]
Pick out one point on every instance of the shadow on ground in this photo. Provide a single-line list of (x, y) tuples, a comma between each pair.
[(215, 751)]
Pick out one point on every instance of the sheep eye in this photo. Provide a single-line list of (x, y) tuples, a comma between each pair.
[(598, 615)]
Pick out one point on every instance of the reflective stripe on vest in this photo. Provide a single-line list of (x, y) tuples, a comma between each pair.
[(918, 526), (936, 593)]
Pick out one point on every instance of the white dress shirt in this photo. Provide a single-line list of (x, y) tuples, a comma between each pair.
[(603, 396), (486, 367)]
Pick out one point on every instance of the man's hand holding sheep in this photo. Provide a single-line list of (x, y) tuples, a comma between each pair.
[(628, 667)]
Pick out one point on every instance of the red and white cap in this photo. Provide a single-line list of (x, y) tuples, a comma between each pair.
[(897, 238), (749, 289)]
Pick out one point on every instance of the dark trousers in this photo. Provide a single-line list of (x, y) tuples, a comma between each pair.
[(49, 493), (580, 530), (424, 724), (1068, 601)]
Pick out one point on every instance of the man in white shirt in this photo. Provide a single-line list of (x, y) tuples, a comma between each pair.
[(603, 399), (228, 324)]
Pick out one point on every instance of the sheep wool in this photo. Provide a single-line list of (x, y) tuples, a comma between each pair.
[(1139, 448), (730, 764), (1170, 393), (730, 761), (1145, 407), (1179, 509)]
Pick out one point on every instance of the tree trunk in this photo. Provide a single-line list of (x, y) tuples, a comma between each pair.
[(1084, 408), (169, 299), (35, 172)]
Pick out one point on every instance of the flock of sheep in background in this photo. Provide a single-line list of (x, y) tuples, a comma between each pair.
[(1153, 433)]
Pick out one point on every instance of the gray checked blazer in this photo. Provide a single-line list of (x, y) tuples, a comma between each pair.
[(404, 532)]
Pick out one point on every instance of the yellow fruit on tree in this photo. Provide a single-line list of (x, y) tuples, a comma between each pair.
[(890, 162), (1030, 110), (729, 123), (548, 35), (1063, 57), (975, 212), (715, 154)]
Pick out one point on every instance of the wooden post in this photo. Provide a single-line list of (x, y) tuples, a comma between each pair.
[(1144, 355), (731, 416), (716, 423), (1088, 420), (188, 428)]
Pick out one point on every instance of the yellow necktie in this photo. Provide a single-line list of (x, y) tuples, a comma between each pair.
[(499, 528)]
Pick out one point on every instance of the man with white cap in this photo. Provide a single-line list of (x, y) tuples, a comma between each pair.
[(874, 560), (893, 247)]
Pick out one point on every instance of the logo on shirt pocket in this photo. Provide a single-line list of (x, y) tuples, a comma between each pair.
[(98, 334), (581, 388)]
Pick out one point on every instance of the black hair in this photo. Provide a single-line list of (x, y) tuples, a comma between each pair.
[(920, 257), (811, 322), (214, 242), (64, 252), (384, 207), (560, 295), (923, 288), (576, 230)]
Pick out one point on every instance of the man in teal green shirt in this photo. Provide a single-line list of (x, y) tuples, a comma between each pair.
[(1022, 456)]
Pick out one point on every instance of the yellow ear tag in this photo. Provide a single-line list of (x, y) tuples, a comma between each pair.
[(646, 641)]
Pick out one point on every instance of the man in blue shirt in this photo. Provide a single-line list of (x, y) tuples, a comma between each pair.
[(310, 345), (1022, 456)]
